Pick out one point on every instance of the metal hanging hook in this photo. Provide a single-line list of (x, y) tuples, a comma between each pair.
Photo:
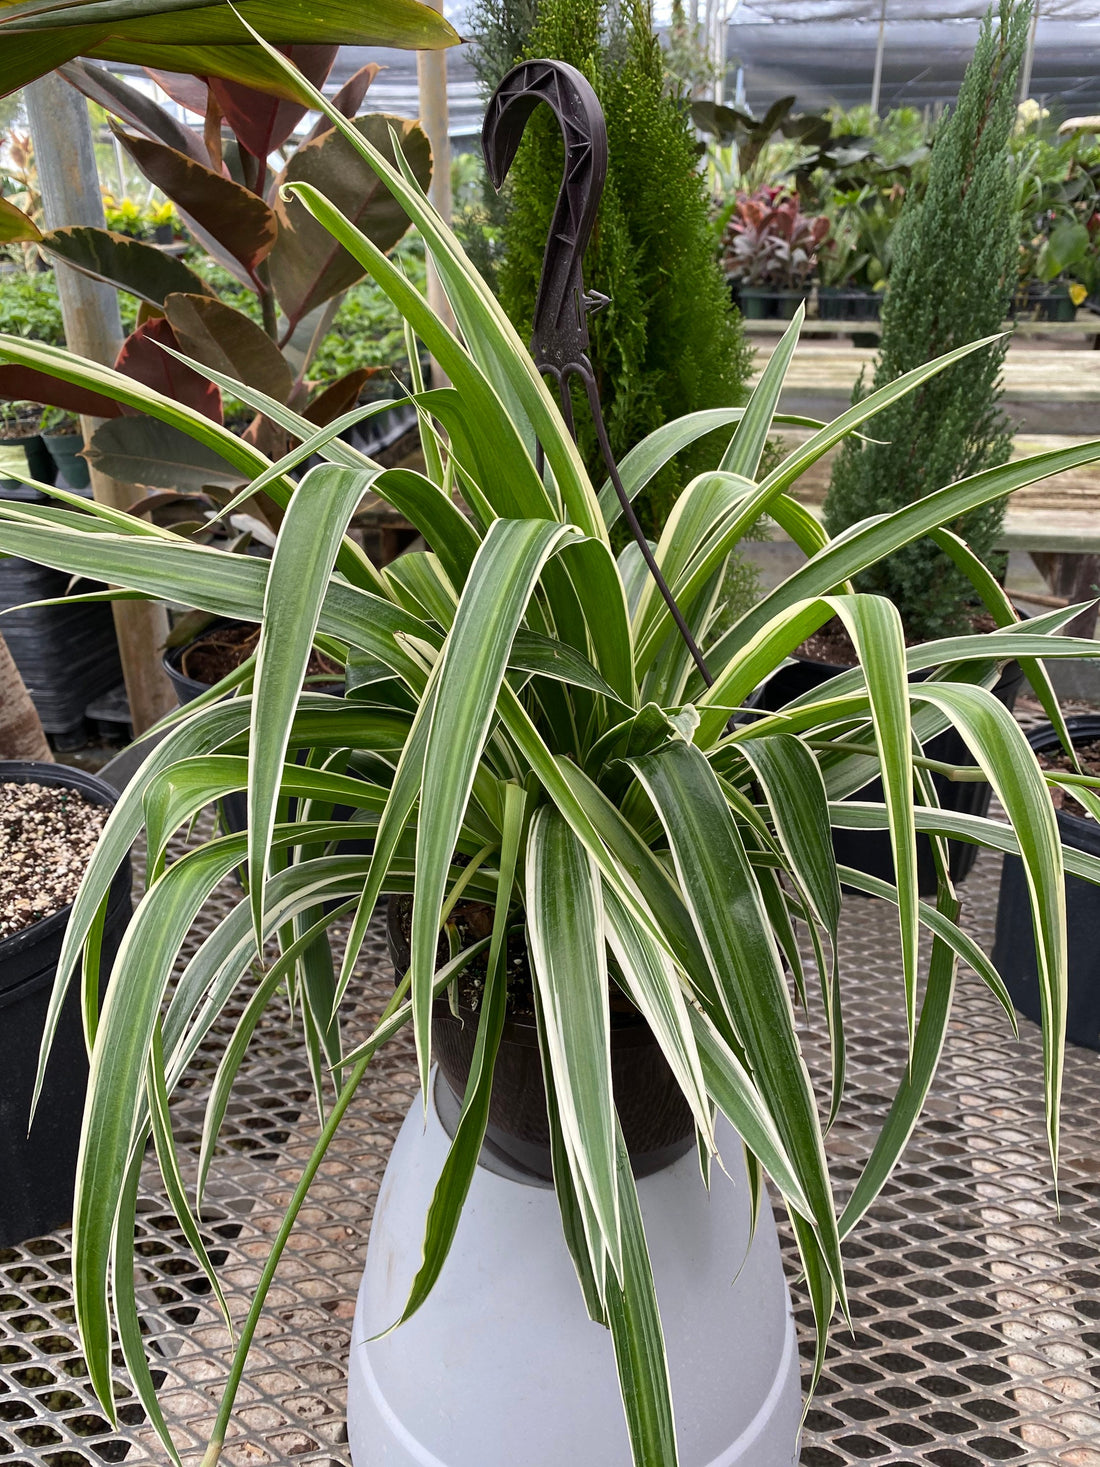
[(559, 338)]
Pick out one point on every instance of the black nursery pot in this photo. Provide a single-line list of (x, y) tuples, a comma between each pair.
[(235, 804), (38, 1170), (869, 850), (1014, 942), (656, 1119), (187, 689)]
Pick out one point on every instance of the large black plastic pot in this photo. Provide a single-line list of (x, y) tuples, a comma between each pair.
[(869, 850), (656, 1120), (37, 1171), (1014, 943)]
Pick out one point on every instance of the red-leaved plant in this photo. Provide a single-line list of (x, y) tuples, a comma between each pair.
[(770, 242)]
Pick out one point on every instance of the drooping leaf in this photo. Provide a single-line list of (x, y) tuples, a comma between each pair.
[(125, 102), (263, 122), (24, 58), (221, 337), (129, 264), (236, 218), (16, 226), (565, 935), (143, 357), (203, 38), (308, 266)]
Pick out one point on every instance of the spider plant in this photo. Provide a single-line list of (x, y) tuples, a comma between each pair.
[(523, 725)]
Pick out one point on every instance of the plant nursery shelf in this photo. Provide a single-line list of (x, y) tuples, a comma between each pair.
[(977, 1336)]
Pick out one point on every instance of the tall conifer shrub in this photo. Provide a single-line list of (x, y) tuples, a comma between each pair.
[(669, 342), (951, 281)]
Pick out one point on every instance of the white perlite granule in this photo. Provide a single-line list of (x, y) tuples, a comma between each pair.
[(47, 835)]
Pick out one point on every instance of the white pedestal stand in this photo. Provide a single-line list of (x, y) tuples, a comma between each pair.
[(501, 1367)]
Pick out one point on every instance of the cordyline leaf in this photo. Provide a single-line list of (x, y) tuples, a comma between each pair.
[(458, 1170), (751, 434), (635, 1324), (191, 92), (236, 218), (262, 122), (131, 265), (24, 58), (143, 357), (349, 98), (126, 102), (565, 935), (316, 518), (16, 226), (468, 678), (338, 397), (24, 384), (204, 38), (308, 266), (218, 336)]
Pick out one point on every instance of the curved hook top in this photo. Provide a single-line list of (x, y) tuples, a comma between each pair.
[(560, 336)]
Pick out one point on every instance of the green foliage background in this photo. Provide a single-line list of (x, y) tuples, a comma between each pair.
[(953, 273), (668, 342)]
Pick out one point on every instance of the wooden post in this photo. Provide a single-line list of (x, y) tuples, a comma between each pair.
[(431, 77), (65, 158)]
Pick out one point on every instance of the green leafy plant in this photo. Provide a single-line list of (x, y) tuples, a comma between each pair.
[(668, 343), (1057, 194), (58, 421), (526, 725), (952, 277), (29, 306)]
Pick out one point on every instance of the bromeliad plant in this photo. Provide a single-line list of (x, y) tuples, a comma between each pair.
[(524, 726)]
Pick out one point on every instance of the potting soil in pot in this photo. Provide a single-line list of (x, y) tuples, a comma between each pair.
[(47, 835), (51, 819), (1088, 757)]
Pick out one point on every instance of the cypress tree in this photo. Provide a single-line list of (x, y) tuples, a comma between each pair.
[(950, 283), (669, 341)]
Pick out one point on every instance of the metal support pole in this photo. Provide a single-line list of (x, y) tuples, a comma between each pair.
[(880, 51), (1029, 55), (431, 76), (65, 156)]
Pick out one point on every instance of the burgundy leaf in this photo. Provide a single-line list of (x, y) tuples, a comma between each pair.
[(261, 122), (143, 357), (24, 384), (187, 91), (237, 219), (339, 396)]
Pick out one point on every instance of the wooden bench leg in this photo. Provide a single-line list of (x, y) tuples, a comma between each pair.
[(1077, 578)]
